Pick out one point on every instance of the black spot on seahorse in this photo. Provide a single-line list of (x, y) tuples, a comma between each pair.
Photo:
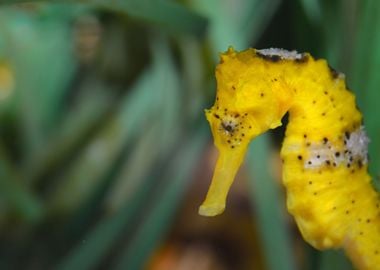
[(269, 57), (304, 58), (334, 73)]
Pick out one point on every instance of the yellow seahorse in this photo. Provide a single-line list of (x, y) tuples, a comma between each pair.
[(324, 152)]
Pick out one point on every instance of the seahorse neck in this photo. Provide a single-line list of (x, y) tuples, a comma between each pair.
[(324, 121), (320, 99)]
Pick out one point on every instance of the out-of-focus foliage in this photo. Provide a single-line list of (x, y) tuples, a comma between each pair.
[(103, 138)]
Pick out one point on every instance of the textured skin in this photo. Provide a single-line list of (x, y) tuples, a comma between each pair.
[(324, 153)]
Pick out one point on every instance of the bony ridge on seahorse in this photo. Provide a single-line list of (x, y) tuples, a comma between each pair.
[(324, 152)]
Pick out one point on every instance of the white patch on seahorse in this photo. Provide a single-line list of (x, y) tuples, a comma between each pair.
[(357, 143), (323, 154), (284, 54), (326, 154)]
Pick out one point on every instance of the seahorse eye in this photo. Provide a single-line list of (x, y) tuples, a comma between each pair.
[(229, 127)]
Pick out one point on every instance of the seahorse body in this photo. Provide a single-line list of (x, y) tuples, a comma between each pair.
[(324, 153)]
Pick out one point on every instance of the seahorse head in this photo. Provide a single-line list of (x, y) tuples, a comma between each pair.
[(248, 103)]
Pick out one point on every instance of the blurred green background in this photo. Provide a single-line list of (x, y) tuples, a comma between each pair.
[(105, 154)]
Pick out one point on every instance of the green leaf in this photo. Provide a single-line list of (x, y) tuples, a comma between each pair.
[(236, 24), (166, 202), (166, 14), (95, 160), (70, 134), (269, 205), (40, 83), (18, 197), (334, 260)]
